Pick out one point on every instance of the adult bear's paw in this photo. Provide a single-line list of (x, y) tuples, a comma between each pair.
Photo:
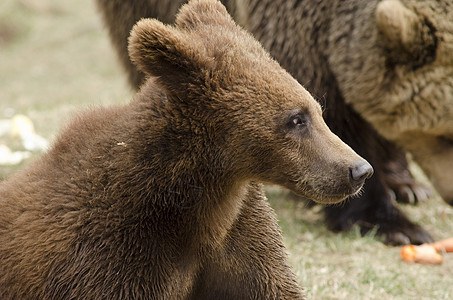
[(401, 185), (401, 232), (409, 192)]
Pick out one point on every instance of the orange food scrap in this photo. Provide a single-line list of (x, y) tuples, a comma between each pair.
[(443, 245), (424, 254)]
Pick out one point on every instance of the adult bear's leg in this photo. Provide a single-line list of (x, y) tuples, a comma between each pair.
[(397, 177), (119, 17), (374, 206)]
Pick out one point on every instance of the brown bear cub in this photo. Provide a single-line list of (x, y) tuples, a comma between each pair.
[(159, 199)]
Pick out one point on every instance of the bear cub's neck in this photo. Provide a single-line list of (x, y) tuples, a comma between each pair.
[(145, 165)]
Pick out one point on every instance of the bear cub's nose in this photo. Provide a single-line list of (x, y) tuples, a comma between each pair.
[(361, 171)]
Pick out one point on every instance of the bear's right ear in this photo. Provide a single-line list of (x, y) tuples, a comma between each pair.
[(160, 50)]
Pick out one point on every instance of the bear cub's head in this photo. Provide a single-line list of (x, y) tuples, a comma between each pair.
[(228, 109)]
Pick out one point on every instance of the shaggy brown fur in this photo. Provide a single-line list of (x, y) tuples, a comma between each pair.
[(386, 61), (158, 199), (404, 85)]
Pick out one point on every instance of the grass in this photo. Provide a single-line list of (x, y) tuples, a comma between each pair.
[(348, 266), (55, 58)]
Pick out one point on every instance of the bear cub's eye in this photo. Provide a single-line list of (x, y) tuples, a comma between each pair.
[(298, 120)]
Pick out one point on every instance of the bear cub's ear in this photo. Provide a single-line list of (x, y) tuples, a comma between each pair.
[(179, 54), (160, 50), (203, 12)]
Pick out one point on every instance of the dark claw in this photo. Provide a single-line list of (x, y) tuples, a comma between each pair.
[(401, 185), (404, 234), (415, 235), (412, 193), (403, 188), (397, 238)]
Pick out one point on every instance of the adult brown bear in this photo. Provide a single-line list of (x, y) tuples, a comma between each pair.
[(383, 72), (158, 199)]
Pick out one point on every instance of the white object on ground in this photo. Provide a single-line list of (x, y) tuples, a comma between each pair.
[(8, 157), (5, 127), (22, 126)]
